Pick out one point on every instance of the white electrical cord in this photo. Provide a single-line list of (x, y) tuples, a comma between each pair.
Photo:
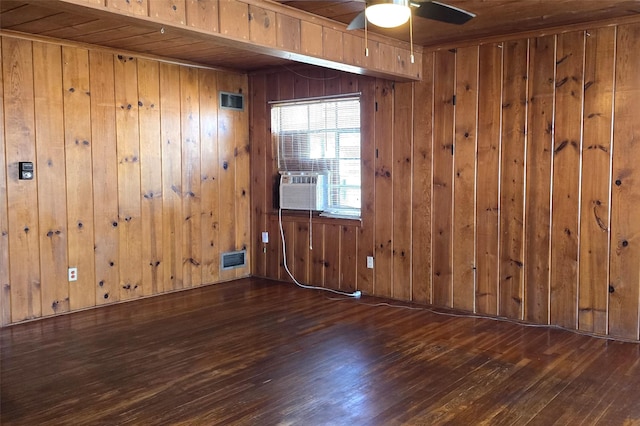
[(497, 319), (357, 294)]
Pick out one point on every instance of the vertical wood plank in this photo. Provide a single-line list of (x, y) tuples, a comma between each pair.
[(202, 14), (514, 100), (274, 248), (348, 253), (332, 44), (128, 151), (210, 175), (596, 180), (288, 32), (488, 177), (310, 38), (288, 230), (136, 7), (5, 288), (234, 19), (262, 26), (77, 122), (168, 10), (443, 112), (566, 174), (316, 272), (625, 198), (191, 195), (465, 178), (538, 184), (105, 177), (332, 257), (422, 178), (52, 201), (260, 138), (150, 176), (22, 195), (366, 246), (227, 164), (285, 90), (171, 176), (242, 153), (402, 166), (300, 267), (383, 188)]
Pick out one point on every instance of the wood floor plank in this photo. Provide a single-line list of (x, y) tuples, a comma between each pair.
[(266, 352)]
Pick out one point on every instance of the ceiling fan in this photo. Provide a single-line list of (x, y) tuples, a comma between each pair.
[(393, 13)]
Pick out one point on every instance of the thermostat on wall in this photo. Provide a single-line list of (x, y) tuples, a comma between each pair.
[(25, 170)]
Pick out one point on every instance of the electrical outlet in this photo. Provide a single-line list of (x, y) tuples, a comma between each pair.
[(370, 262), (73, 274)]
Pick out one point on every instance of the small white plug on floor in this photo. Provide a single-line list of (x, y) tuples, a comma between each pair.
[(357, 294)]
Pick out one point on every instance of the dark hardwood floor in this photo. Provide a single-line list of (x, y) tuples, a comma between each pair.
[(257, 352)]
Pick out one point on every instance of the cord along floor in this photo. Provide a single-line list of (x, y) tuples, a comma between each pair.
[(255, 351)]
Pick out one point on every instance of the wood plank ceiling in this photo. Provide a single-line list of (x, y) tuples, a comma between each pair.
[(493, 17), (40, 18)]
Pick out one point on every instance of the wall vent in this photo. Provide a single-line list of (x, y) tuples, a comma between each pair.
[(232, 101), (233, 259)]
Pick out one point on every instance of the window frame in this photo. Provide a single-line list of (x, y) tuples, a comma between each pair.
[(338, 189)]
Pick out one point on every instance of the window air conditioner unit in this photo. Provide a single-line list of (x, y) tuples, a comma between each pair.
[(303, 191)]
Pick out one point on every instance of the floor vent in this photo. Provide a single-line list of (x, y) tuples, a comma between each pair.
[(233, 259)]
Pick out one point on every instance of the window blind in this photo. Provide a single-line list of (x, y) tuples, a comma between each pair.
[(322, 136)]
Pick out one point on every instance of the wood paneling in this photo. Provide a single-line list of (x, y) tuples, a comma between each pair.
[(514, 107), (128, 152), (384, 188), (566, 174), (77, 121), (202, 14), (625, 197), (210, 176), (443, 151), (422, 178), (488, 176), (5, 289), (150, 176), (366, 239), (191, 187), (121, 147), (21, 195), (464, 180), (105, 173), (510, 221), (50, 147), (171, 176), (538, 184), (596, 156), (402, 168)]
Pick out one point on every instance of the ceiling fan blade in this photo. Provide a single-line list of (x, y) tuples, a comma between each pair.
[(442, 12), (358, 22)]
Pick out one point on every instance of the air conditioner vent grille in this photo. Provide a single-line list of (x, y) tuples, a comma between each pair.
[(233, 259)]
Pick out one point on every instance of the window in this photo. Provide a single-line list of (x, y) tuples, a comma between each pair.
[(322, 136)]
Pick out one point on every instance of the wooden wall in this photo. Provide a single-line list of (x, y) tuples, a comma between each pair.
[(141, 181), (501, 184)]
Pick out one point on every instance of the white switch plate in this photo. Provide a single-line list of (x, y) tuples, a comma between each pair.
[(265, 237), (370, 262)]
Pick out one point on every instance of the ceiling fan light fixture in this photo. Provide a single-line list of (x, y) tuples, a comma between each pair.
[(388, 15)]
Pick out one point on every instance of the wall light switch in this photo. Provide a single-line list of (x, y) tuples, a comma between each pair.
[(370, 262), (265, 237)]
